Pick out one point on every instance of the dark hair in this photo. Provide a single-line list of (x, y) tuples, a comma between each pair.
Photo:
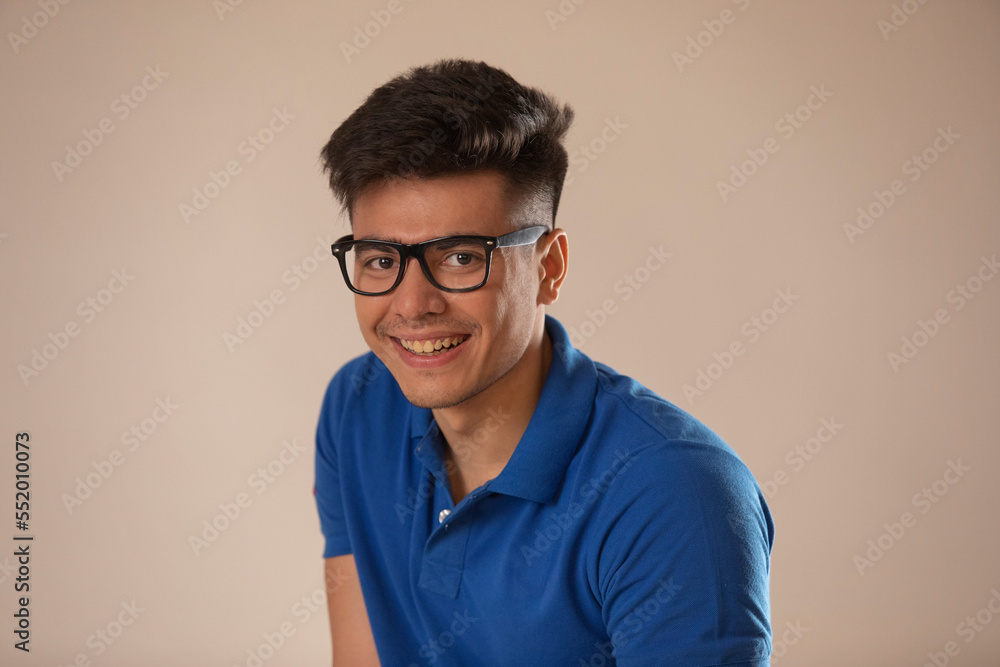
[(451, 117)]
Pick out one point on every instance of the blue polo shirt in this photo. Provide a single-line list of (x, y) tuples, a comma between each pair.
[(621, 532)]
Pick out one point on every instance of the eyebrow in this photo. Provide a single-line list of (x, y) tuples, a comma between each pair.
[(395, 239)]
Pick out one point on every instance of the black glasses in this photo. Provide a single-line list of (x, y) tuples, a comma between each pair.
[(451, 263)]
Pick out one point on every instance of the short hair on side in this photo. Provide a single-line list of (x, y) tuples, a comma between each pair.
[(451, 117)]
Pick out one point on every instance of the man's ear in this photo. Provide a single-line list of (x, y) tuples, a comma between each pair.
[(552, 264)]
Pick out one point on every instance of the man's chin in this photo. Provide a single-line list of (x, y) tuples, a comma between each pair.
[(432, 400), (428, 389), (437, 395)]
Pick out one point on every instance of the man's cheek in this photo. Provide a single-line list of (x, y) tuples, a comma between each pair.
[(367, 317)]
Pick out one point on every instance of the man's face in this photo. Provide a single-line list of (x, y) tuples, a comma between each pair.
[(494, 324)]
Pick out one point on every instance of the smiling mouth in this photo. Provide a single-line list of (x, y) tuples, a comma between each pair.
[(432, 347)]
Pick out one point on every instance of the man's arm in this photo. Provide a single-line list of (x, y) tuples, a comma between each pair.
[(685, 565), (353, 644)]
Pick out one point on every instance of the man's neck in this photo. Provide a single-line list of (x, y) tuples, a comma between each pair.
[(483, 431)]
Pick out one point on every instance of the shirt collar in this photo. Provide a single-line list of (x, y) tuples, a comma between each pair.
[(538, 465)]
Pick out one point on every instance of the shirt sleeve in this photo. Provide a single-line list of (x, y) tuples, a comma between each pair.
[(329, 500), (684, 570)]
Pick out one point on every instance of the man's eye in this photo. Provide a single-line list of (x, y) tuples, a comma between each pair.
[(457, 252), (463, 259), (379, 262)]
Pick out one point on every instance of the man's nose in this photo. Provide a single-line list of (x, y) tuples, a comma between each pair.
[(415, 296)]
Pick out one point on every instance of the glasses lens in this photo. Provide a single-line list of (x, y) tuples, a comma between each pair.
[(373, 267), (457, 263)]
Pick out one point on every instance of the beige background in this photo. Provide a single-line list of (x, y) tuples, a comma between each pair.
[(679, 131)]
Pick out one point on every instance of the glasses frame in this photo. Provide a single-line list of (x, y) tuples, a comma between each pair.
[(521, 237)]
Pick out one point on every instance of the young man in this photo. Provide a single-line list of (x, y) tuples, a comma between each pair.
[(490, 495)]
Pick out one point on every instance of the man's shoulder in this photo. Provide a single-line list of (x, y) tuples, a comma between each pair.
[(647, 412), (358, 382), (670, 463), (362, 404), (667, 445)]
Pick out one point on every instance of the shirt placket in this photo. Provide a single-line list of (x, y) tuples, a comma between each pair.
[(448, 531)]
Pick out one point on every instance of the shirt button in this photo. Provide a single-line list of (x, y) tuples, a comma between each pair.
[(442, 515)]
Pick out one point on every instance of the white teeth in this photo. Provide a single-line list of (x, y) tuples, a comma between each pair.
[(431, 346)]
